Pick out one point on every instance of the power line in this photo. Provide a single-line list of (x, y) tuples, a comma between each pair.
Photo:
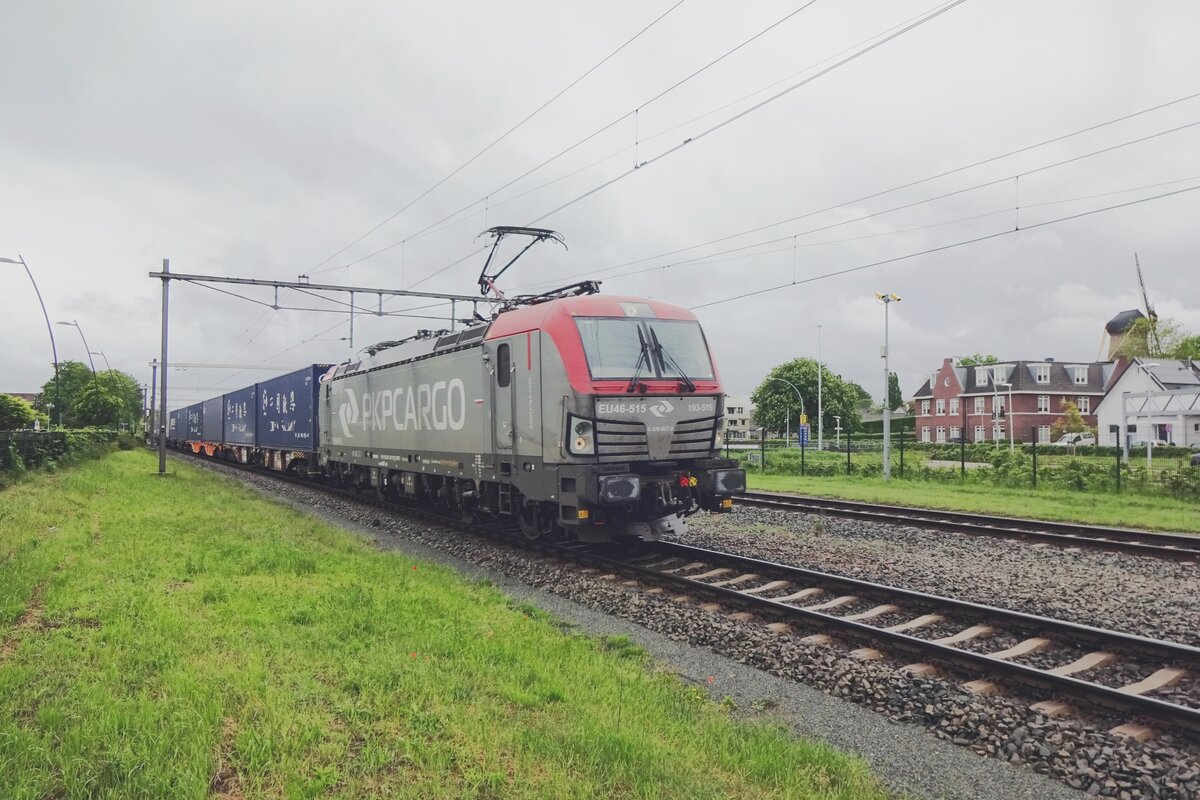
[(589, 137), (751, 109), (501, 137), (918, 182), (951, 246)]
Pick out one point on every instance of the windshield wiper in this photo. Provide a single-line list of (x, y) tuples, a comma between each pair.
[(643, 358), (665, 358)]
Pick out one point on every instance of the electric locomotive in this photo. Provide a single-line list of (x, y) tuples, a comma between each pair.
[(573, 413)]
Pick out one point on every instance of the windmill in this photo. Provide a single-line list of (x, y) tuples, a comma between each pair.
[(1151, 314)]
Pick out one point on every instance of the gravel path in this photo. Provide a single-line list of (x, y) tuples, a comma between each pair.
[(1138, 594), (808, 686)]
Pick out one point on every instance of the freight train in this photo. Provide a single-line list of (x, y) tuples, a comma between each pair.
[(587, 416)]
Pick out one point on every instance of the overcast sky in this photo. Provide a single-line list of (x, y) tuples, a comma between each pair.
[(257, 139)]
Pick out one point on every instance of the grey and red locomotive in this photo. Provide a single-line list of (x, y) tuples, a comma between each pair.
[(571, 413)]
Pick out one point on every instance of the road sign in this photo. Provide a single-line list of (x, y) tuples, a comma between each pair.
[(802, 435), (804, 419)]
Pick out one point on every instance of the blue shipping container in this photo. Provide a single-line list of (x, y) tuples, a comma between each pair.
[(195, 422), (176, 423), (239, 416), (287, 409), (213, 419)]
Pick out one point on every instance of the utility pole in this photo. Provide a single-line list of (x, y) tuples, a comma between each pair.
[(887, 299), (162, 427)]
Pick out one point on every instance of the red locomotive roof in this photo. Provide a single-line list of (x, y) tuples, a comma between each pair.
[(556, 318)]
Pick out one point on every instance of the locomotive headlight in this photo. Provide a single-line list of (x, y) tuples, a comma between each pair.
[(581, 436)]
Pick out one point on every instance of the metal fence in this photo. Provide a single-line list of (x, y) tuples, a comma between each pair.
[(34, 448)]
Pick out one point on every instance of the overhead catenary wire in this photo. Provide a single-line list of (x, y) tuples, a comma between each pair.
[(942, 248), (748, 111), (919, 181), (501, 137), (602, 129)]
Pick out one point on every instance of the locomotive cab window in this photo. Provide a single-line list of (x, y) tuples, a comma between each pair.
[(503, 365), (617, 348)]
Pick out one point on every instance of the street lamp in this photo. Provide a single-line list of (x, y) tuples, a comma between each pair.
[(1149, 414), (75, 325), (798, 396), (53, 348), (820, 415), (107, 366), (887, 298)]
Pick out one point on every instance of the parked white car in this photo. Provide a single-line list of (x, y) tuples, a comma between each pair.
[(1075, 440)]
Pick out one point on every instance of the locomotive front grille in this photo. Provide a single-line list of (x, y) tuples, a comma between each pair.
[(693, 439), (616, 440)]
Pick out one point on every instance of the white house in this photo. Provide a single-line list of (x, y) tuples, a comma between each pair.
[(1157, 400), (736, 425)]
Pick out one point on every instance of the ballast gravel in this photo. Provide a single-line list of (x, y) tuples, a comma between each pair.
[(919, 734), (1152, 597)]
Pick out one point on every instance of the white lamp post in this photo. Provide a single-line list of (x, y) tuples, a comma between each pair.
[(77, 327), (1149, 414), (1008, 412), (53, 348), (887, 299), (820, 408)]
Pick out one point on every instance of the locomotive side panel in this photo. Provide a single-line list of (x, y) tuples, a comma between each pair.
[(424, 416)]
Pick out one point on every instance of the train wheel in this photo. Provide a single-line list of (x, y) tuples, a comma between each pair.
[(535, 522)]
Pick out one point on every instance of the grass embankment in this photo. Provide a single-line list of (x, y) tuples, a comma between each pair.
[(182, 637), (1128, 510)]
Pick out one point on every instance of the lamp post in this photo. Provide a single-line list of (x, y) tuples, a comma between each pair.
[(837, 422), (820, 409), (887, 298), (76, 326), (1149, 414), (798, 396), (107, 366), (53, 348)]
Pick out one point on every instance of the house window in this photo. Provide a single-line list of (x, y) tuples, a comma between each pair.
[(925, 408), (1043, 403), (1043, 433), (953, 405), (979, 433), (925, 434), (981, 375), (941, 434), (998, 404), (998, 374), (954, 433), (941, 408), (998, 431), (1041, 373), (979, 405), (1084, 404), (1080, 374)]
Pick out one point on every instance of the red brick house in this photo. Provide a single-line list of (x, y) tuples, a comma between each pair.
[(975, 401)]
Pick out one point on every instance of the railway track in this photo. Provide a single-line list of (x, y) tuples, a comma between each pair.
[(1049, 655), (1175, 546), (877, 615)]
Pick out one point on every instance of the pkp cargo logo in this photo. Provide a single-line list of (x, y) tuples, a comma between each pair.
[(348, 413), (662, 407)]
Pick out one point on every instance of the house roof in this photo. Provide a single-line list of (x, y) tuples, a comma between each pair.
[(1023, 377), (1173, 374)]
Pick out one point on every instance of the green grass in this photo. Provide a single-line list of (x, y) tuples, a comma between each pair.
[(181, 637), (1130, 509)]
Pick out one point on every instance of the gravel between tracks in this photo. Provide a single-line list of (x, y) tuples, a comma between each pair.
[(1137, 594), (760, 670)]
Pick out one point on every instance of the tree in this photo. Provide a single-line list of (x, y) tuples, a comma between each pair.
[(895, 398), (1071, 421), (107, 398), (15, 413), (1188, 347), (1164, 338), (775, 402), (977, 360)]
